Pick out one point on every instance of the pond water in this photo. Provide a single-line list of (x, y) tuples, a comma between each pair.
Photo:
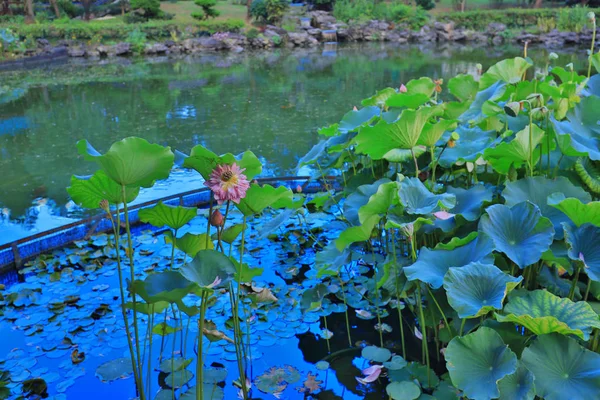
[(271, 103)]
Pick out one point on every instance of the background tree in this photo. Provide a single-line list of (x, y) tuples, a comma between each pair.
[(208, 9)]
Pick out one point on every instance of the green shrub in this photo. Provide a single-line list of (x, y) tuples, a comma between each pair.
[(258, 10), (573, 19), (252, 33), (353, 10), (425, 4), (137, 39), (151, 8), (271, 11), (515, 18), (208, 9), (396, 12), (67, 7)]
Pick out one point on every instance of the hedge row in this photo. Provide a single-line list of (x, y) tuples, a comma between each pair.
[(513, 18), (154, 30)]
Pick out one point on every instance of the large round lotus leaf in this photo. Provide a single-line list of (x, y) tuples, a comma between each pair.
[(355, 234), (417, 199), (469, 201), (167, 286), (377, 354), (518, 385), (581, 126), (477, 288), (463, 87), (515, 152), (116, 369), (276, 378), (210, 392), (537, 189), (406, 390), (359, 198), (510, 70), (563, 369), (474, 115), (469, 147), (88, 192), (379, 203), (477, 361), (584, 245), (432, 265), (376, 141), (207, 266), (204, 161), (162, 215), (379, 98), (542, 312), (190, 243), (356, 118), (433, 132), (260, 197), (415, 371), (132, 161), (179, 378), (578, 212), (519, 231)]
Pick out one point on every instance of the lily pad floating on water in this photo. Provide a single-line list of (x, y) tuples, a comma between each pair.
[(477, 288), (116, 369), (376, 354), (477, 361), (276, 379), (542, 312), (405, 390), (562, 368)]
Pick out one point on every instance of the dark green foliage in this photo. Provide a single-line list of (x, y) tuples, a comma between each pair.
[(270, 11), (208, 10), (150, 8), (426, 4), (396, 12)]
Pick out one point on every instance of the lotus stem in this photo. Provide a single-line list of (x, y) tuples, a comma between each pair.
[(210, 211), (132, 276), (393, 239), (117, 237), (327, 334), (589, 73), (530, 141), (440, 310), (574, 284), (173, 249), (587, 289), (412, 153), (239, 340), (346, 310), (462, 327), (200, 359), (423, 332)]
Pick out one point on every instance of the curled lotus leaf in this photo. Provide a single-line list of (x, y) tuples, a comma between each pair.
[(541, 312), (159, 215), (583, 245), (417, 199), (88, 192)]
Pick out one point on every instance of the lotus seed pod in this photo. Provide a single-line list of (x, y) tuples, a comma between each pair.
[(512, 109)]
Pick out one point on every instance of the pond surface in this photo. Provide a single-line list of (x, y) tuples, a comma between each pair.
[(271, 103)]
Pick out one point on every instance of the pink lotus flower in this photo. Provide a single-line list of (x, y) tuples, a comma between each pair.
[(371, 374), (228, 183)]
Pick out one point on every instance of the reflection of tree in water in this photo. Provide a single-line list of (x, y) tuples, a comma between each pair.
[(271, 103)]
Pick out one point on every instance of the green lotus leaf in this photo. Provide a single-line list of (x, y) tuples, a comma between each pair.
[(313, 296), (474, 114), (132, 161), (477, 288), (329, 131), (358, 118), (433, 132), (519, 231), (190, 243), (359, 198), (379, 98), (582, 127), (415, 372), (456, 242), (396, 363), (207, 266), (469, 201), (511, 336), (405, 390), (88, 192), (516, 152), (589, 172), (542, 312), (167, 286), (478, 361), (230, 234), (562, 368), (376, 141), (549, 279), (518, 385), (380, 202), (469, 147), (463, 87), (408, 100), (401, 155), (510, 71), (432, 265), (417, 199), (537, 189), (162, 214), (314, 154), (406, 222), (576, 210), (246, 273), (116, 369), (355, 234), (584, 246), (376, 354), (260, 197), (422, 85), (205, 161)]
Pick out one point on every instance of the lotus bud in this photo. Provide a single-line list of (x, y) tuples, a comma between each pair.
[(402, 89), (592, 16), (298, 189), (454, 136), (553, 56), (105, 206), (569, 66), (512, 109), (216, 219), (535, 100), (539, 113), (354, 108), (479, 68)]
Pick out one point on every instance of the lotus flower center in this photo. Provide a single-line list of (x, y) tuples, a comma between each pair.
[(227, 175)]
